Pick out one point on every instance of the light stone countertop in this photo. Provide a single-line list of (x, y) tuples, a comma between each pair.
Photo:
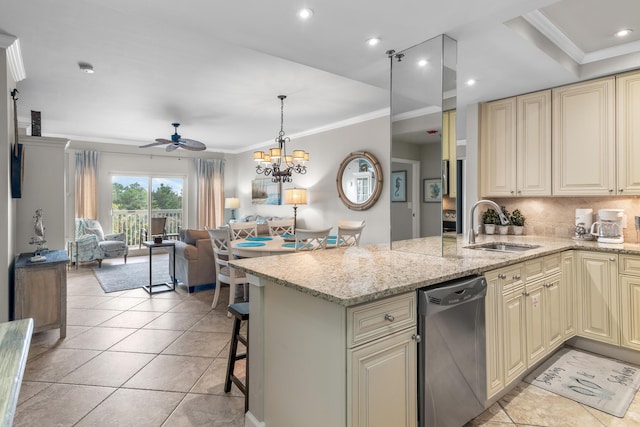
[(361, 274)]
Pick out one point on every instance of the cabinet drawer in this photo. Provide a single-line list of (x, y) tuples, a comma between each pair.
[(534, 269), (374, 320), (629, 264), (512, 277), (552, 264)]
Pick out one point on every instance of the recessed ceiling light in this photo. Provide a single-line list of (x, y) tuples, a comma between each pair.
[(623, 33), (86, 68), (423, 63), (373, 41), (305, 14), (471, 82)]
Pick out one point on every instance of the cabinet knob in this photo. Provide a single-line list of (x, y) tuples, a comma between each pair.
[(620, 190), (525, 293), (612, 259), (519, 191), (389, 317), (416, 338), (516, 277), (502, 276), (611, 190), (512, 192)]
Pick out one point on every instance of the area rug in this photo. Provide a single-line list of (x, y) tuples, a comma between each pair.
[(596, 381), (120, 277)]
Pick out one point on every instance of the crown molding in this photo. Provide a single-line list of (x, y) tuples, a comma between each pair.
[(553, 33), (14, 56)]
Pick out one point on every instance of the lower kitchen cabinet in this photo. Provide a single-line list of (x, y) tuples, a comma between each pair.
[(493, 322), (514, 333), (629, 269), (568, 296), (598, 299), (383, 382)]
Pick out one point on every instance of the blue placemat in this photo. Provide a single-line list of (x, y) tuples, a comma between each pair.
[(288, 245), (249, 244), (331, 241), (258, 239), (285, 235)]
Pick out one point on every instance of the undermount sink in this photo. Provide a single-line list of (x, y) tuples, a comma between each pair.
[(504, 247)]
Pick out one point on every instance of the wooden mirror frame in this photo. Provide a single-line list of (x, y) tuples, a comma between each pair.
[(378, 186)]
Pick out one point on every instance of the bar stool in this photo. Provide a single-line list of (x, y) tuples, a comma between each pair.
[(241, 312)]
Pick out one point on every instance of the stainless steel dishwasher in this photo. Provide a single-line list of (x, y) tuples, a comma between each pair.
[(451, 356)]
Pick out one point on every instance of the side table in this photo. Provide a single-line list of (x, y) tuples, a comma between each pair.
[(156, 288), (40, 290)]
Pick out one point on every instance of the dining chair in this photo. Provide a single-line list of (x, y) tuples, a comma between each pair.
[(225, 273), (349, 235), (311, 240), (347, 223), (242, 230), (280, 227)]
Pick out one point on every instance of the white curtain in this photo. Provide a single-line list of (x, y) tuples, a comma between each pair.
[(210, 192), (86, 184)]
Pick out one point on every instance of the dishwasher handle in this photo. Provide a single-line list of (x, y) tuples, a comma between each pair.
[(452, 293)]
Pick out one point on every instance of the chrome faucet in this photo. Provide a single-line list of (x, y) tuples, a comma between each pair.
[(503, 219)]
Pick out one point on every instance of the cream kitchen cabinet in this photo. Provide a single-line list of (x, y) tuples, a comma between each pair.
[(514, 332), (449, 142), (629, 268), (584, 150), (598, 299), (493, 322), (628, 133), (515, 146)]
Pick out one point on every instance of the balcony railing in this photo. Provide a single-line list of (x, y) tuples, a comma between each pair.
[(131, 222)]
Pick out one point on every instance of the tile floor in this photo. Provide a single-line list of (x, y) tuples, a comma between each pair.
[(131, 360)]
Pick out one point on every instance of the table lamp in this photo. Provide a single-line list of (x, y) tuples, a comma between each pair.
[(295, 196), (232, 203)]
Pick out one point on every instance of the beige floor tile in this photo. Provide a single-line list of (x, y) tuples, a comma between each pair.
[(52, 336), (89, 316), (204, 344), (495, 414), (157, 304), (98, 338), (119, 303), (531, 405), (212, 382), (86, 301), (175, 321), (60, 405), (214, 322), (128, 407), (131, 319), (147, 341), (170, 373), (110, 369), (208, 410), (192, 305), (631, 418), (56, 364), (28, 389)]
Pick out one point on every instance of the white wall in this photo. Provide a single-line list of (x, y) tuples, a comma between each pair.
[(327, 150), (43, 188), (7, 210)]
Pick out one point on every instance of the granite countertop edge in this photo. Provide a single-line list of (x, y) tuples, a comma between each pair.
[(354, 276)]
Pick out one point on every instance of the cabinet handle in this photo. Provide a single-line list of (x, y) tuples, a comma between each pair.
[(519, 191), (611, 190), (621, 190), (502, 276), (512, 192), (612, 259), (525, 293), (516, 277), (416, 338), (389, 317)]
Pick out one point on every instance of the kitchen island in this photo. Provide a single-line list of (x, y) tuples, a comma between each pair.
[(320, 355)]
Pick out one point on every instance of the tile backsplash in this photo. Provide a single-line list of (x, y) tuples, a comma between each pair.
[(555, 216)]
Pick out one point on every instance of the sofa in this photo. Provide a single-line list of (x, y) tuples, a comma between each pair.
[(195, 266)]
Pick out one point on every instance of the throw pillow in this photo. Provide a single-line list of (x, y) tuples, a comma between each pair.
[(97, 231)]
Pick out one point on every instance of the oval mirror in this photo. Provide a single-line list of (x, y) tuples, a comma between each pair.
[(359, 180)]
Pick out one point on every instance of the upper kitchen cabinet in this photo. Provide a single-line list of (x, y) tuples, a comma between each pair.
[(628, 132), (516, 146), (584, 138)]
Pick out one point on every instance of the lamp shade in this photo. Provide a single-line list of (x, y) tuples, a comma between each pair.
[(295, 196), (231, 203)]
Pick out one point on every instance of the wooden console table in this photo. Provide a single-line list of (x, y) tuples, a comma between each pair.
[(41, 291)]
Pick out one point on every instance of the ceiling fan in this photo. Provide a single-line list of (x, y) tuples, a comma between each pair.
[(177, 141)]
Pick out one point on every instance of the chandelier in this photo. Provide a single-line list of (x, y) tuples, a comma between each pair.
[(277, 163)]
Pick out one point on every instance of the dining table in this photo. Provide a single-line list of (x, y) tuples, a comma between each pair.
[(257, 246)]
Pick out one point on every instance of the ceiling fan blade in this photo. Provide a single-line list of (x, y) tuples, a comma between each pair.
[(192, 145), (172, 147), (153, 144), (164, 141)]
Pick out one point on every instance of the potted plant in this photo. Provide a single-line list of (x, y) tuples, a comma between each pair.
[(504, 229), (490, 219), (517, 220)]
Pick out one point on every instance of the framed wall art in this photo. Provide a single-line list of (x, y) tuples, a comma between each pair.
[(432, 190), (266, 192), (399, 186)]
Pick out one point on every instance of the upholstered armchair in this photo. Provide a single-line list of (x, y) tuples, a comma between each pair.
[(92, 244)]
